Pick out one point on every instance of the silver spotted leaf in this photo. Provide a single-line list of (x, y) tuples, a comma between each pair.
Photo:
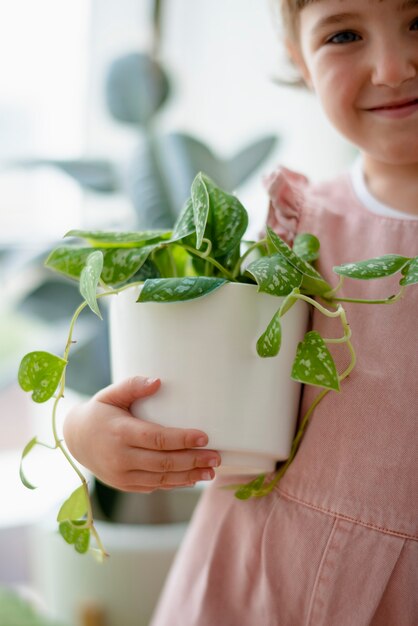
[(200, 201), (269, 343), (40, 372), (313, 364), (89, 279), (274, 275), (178, 289), (410, 273), (379, 267)]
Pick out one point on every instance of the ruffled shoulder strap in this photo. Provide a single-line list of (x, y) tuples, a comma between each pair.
[(286, 191)]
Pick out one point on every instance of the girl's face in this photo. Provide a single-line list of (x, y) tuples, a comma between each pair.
[(361, 59)]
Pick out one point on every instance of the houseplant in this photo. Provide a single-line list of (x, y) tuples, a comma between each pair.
[(203, 252)]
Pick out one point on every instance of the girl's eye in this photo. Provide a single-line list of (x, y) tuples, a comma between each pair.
[(346, 36), (414, 25)]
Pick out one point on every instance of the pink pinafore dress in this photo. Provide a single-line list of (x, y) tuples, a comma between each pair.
[(336, 544)]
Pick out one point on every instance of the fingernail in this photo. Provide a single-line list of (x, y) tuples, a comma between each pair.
[(201, 441), (206, 476), (213, 463), (150, 381)]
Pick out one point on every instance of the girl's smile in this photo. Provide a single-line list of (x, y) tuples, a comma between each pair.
[(397, 110)]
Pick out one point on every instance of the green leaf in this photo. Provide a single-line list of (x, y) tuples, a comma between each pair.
[(306, 246), (369, 269), (119, 264), (89, 279), (274, 275), (178, 289), (246, 491), (75, 507), (184, 225), (314, 364), (312, 281), (229, 221), (68, 532), (78, 537), (116, 239), (82, 541), (41, 373), (289, 301), (25, 452), (200, 200), (410, 273), (270, 341)]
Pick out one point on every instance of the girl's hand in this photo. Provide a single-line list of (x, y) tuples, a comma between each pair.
[(131, 454)]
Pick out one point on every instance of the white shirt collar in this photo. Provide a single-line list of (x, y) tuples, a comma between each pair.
[(370, 202)]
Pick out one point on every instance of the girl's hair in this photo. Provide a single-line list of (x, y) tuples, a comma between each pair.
[(289, 10), (285, 13)]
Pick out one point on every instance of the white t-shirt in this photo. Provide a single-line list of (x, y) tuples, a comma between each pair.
[(370, 202)]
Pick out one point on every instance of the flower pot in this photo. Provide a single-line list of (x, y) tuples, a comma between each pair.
[(204, 352)]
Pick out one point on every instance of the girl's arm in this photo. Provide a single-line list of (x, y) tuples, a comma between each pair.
[(131, 454)]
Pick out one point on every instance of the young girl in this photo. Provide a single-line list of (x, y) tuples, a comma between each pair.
[(336, 544)]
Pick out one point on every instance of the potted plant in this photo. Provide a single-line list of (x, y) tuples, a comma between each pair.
[(206, 255)]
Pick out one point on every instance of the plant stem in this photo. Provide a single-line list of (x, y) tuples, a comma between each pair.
[(209, 259), (389, 300), (340, 312), (254, 246)]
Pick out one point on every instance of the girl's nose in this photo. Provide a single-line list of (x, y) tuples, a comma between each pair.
[(392, 67)]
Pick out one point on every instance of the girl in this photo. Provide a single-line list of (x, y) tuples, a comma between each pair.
[(336, 544)]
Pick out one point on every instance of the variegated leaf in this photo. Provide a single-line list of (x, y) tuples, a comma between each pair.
[(369, 269), (40, 372), (200, 201), (269, 343), (314, 364), (89, 279), (410, 272), (178, 289), (312, 282), (274, 275)]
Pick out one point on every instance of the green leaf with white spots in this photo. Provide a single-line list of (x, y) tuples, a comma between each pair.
[(312, 281), (306, 246), (119, 264), (178, 289), (82, 541), (369, 269), (119, 239), (89, 279), (32, 443), (410, 273), (200, 200), (40, 372), (184, 225), (269, 343), (75, 507), (314, 364), (274, 275), (229, 219)]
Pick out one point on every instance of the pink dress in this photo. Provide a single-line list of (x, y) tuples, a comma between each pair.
[(336, 544)]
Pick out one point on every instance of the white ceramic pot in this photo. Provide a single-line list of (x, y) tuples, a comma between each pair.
[(204, 352)]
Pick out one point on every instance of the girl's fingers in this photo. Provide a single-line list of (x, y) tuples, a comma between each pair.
[(165, 462), (123, 394), (144, 434), (153, 480)]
